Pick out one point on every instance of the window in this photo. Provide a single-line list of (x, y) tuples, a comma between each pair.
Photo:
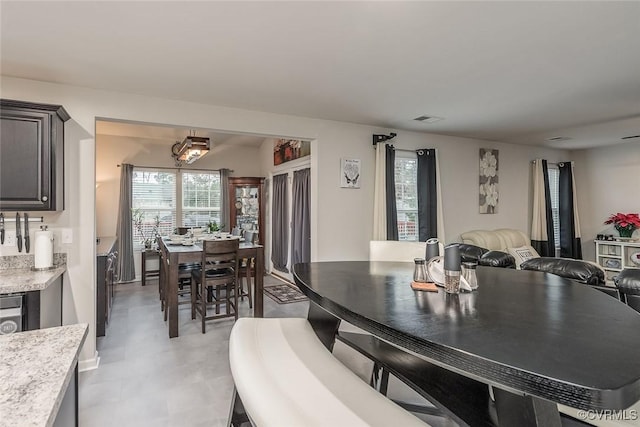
[(406, 176), (154, 202), (200, 198), (554, 176), (167, 199)]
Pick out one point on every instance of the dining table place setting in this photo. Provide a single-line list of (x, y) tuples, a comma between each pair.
[(187, 240), (178, 240), (220, 236)]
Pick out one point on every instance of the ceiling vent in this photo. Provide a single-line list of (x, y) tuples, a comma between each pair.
[(630, 137), (558, 138), (428, 119)]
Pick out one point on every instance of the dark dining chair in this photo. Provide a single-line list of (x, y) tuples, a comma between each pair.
[(247, 271), (628, 284), (219, 273)]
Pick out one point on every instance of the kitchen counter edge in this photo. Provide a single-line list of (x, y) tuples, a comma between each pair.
[(39, 367), (25, 280)]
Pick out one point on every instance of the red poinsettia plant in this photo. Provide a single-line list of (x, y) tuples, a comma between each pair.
[(624, 223)]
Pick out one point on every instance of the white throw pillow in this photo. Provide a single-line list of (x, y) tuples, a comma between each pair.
[(522, 254)]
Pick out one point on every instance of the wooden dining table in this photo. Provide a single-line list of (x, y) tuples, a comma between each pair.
[(538, 339), (172, 255)]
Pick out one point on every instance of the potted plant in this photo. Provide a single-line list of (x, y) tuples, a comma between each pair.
[(149, 237), (213, 227), (626, 224)]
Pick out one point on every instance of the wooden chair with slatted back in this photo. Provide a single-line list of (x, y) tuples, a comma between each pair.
[(247, 271), (219, 272)]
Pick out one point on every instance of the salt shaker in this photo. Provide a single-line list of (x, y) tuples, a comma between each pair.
[(470, 274), (419, 271)]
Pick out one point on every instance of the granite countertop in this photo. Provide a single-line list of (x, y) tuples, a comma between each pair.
[(104, 245), (35, 372), (25, 279)]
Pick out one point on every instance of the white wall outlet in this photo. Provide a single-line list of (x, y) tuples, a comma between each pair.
[(66, 236), (9, 238)]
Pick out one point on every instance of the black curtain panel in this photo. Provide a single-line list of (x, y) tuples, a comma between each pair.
[(570, 244), (280, 223), (427, 195), (390, 187), (301, 220), (542, 235)]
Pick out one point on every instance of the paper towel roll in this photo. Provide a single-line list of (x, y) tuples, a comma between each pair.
[(43, 249)]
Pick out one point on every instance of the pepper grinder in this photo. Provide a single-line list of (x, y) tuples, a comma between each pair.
[(433, 249), (452, 269)]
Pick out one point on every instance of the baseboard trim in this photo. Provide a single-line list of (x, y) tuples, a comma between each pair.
[(89, 364)]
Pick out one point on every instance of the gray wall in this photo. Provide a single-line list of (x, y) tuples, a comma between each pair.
[(607, 182), (341, 218)]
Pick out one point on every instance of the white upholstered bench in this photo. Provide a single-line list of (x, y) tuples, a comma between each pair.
[(286, 377)]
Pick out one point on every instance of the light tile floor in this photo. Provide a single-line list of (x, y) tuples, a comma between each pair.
[(147, 379)]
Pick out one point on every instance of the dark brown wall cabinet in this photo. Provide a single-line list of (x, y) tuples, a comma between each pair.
[(106, 263), (31, 156)]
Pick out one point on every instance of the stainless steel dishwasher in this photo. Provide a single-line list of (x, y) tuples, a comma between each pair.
[(11, 313)]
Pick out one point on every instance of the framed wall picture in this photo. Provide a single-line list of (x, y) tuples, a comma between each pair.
[(350, 173), (488, 180)]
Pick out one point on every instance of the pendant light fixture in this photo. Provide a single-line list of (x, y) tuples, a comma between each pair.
[(191, 149)]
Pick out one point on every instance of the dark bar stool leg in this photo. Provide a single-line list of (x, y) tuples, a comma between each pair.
[(384, 382), (515, 410), (324, 324), (249, 287), (237, 414), (144, 267)]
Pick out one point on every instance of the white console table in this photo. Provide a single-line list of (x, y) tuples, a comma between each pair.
[(614, 256)]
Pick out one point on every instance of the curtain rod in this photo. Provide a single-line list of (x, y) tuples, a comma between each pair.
[(412, 151), (176, 168), (551, 163), (405, 150)]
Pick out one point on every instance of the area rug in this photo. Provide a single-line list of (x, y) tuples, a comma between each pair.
[(284, 294)]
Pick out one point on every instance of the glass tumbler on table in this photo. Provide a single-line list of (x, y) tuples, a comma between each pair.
[(469, 274)]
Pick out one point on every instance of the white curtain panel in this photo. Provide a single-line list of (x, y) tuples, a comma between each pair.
[(379, 195), (576, 217)]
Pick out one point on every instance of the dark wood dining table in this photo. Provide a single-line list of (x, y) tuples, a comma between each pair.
[(536, 338), (180, 254)]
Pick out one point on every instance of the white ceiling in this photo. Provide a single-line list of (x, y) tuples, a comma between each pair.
[(516, 72), (155, 134)]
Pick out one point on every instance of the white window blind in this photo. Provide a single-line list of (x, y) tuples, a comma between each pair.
[(154, 199), (406, 176), (554, 177), (200, 198)]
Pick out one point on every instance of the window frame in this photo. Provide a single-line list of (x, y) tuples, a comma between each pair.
[(197, 209), (553, 174), (138, 243), (178, 209), (407, 156)]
